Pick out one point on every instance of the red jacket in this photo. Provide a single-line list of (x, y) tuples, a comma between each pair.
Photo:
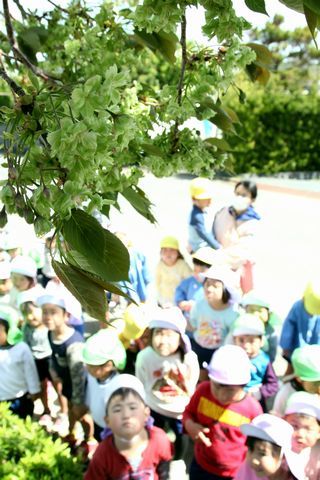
[(228, 449)]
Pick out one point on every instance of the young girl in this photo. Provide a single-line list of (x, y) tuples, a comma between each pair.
[(212, 316), (19, 383), (169, 371), (171, 269), (235, 227), (269, 453)]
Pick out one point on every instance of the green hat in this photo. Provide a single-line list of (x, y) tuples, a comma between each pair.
[(252, 298), (102, 347), (11, 316), (306, 363), (248, 324)]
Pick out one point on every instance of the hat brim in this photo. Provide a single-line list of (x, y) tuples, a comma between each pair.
[(252, 431)]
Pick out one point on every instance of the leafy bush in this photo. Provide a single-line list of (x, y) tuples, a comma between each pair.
[(28, 452)]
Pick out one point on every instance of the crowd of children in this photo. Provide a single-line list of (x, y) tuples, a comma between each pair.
[(186, 373)]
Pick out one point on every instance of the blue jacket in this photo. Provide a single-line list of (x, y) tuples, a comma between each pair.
[(199, 234)]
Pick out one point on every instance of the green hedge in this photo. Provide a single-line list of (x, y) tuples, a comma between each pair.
[(278, 132), (27, 452)]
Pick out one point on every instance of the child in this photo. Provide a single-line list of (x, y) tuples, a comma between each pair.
[(255, 304), (215, 413), (199, 232), (302, 325), (19, 383), (212, 316), (104, 355), (169, 371), (171, 269), (303, 414), (5, 282), (35, 334), (133, 449), (306, 367), (67, 365), (248, 333), (189, 289), (235, 227), (269, 451), (24, 277)]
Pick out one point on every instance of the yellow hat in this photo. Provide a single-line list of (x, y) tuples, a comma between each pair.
[(169, 242), (136, 322), (200, 188), (311, 297)]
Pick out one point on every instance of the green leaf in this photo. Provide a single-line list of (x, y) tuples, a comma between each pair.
[(91, 295), (160, 41), (137, 198), (257, 6), (312, 5), (220, 143), (296, 5), (312, 21), (264, 57), (258, 74)]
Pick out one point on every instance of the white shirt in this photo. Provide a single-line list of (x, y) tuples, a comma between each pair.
[(18, 372), (95, 399)]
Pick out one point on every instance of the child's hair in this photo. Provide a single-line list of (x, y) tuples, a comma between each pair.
[(250, 186), (6, 325), (195, 261), (251, 441), (123, 393), (225, 294), (180, 348)]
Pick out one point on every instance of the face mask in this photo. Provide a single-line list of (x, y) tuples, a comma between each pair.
[(240, 204)]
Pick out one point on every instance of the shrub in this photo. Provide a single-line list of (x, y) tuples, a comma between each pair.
[(27, 452)]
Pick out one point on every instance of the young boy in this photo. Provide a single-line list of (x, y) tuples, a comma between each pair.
[(200, 234), (215, 413), (303, 414), (269, 453), (306, 377), (104, 355), (248, 333), (133, 449), (67, 365)]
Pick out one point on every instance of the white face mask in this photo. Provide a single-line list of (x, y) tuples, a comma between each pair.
[(240, 204)]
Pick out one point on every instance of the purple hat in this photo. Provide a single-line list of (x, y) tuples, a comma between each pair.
[(229, 365), (173, 319)]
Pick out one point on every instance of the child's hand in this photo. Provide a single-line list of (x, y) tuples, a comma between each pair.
[(198, 432)]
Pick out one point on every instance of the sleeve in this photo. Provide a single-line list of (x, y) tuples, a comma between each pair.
[(163, 470), (180, 293), (77, 372), (190, 412), (146, 272), (199, 226), (289, 330), (97, 467), (30, 371), (191, 361), (270, 384), (194, 312)]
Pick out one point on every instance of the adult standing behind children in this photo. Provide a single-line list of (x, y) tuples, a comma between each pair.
[(235, 227), (200, 234)]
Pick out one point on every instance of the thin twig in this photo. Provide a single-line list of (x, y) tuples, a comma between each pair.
[(17, 52), (58, 7), (22, 10), (12, 84), (184, 59)]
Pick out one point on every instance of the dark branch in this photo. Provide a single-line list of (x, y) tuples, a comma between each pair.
[(184, 59), (15, 48), (22, 10), (12, 84), (64, 10)]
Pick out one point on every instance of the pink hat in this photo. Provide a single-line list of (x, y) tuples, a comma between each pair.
[(276, 430), (173, 319), (229, 365)]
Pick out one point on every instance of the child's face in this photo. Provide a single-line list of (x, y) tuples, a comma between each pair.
[(252, 344), (203, 203), (263, 459), (21, 282), (306, 431), (31, 314), (169, 256), (165, 341), (101, 372), (13, 252), (310, 387), (241, 191), (226, 394), (261, 312), (3, 335), (5, 286), (53, 316), (213, 290), (198, 269), (127, 416)]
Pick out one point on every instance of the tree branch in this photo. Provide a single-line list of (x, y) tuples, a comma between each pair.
[(15, 48), (184, 59), (22, 10), (12, 84)]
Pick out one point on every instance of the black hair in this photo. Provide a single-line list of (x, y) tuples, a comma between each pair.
[(251, 441), (6, 325), (250, 186), (196, 261), (123, 393), (225, 294), (180, 348)]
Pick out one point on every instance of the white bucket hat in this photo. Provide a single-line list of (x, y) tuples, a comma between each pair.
[(229, 365), (173, 319), (124, 381), (24, 266), (304, 403), (52, 299), (276, 430), (5, 270), (227, 277)]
